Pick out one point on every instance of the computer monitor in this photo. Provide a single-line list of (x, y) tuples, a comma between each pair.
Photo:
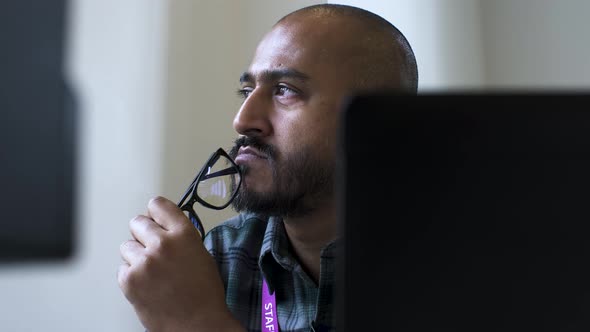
[(37, 134), (465, 212)]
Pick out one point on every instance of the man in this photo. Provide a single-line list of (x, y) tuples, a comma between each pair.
[(302, 73)]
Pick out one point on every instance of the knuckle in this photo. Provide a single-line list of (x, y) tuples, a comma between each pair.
[(135, 220), (158, 244), (123, 247), (125, 278), (131, 281), (149, 262), (188, 233), (155, 201), (163, 245), (126, 244)]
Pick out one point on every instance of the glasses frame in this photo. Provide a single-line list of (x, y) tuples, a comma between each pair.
[(190, 197)]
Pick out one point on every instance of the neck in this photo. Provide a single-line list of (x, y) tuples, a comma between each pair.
[(309, 235)]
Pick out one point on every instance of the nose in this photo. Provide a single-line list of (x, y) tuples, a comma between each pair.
[(253, 118)]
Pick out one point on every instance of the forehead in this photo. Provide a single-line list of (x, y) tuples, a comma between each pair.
[(313, 47)]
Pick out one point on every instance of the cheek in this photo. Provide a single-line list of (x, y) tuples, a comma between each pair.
[(323, 127), (318, 136), (313, 128)]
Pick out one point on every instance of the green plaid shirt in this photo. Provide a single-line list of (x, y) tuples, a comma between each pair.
[(247, 247)]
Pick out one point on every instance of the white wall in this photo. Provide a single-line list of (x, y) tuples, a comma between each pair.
[(537, 44), (114, 62), (499, 44), (144, 72), (444, 34), (153, 76)]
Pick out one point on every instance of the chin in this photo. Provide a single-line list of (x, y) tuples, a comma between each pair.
[(257, 180), (258, 185)]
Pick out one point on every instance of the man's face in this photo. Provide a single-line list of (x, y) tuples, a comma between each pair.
[(294, 90)]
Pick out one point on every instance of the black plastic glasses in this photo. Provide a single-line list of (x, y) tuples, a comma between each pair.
[(215, 187)]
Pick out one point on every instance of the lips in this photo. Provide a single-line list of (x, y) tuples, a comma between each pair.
[(248, 154)]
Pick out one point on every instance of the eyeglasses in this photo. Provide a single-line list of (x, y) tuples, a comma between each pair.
[(215, 187)]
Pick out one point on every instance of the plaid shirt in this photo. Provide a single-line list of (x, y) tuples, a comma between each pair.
[(247, 247)]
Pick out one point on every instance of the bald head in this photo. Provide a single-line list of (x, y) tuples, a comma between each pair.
[(378, 55), (295, 88)]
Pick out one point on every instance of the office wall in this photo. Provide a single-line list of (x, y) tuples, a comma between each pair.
[(156, 79), (445, 36), (142, 70), (537, 44), (114, 61), (500, 44)]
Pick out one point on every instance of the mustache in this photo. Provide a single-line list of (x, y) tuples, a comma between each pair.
[(267, 150)]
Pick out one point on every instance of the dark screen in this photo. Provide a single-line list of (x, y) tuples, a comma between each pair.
[(465, 213), (36, 133)]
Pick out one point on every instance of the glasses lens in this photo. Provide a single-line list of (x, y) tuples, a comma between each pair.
[(219, 183)]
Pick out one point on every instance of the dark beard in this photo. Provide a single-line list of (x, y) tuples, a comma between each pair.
[(300, 183)]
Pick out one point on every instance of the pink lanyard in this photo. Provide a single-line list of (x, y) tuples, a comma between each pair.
[(269, 319)]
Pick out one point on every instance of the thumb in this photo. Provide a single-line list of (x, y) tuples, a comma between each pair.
[(167, 214)]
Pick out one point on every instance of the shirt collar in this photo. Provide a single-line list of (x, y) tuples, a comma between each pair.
[(275, 250)]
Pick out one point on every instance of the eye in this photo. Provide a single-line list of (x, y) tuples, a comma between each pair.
[(285, 91), (244, 92)]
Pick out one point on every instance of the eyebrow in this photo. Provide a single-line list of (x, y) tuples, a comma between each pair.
[(274, 75)]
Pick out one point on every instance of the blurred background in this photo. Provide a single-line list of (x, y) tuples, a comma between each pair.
[(155, 81)]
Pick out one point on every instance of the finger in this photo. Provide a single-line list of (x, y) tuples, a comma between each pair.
[(145, 230), (167, 214), (132, 252), (122, 277)]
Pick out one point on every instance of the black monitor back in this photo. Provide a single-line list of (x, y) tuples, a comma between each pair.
[(37, 133), (465, 212)]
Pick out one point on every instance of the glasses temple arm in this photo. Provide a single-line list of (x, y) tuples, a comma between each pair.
[(227, 171)]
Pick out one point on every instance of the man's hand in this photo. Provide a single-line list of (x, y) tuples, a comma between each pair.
[(168, 275)]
